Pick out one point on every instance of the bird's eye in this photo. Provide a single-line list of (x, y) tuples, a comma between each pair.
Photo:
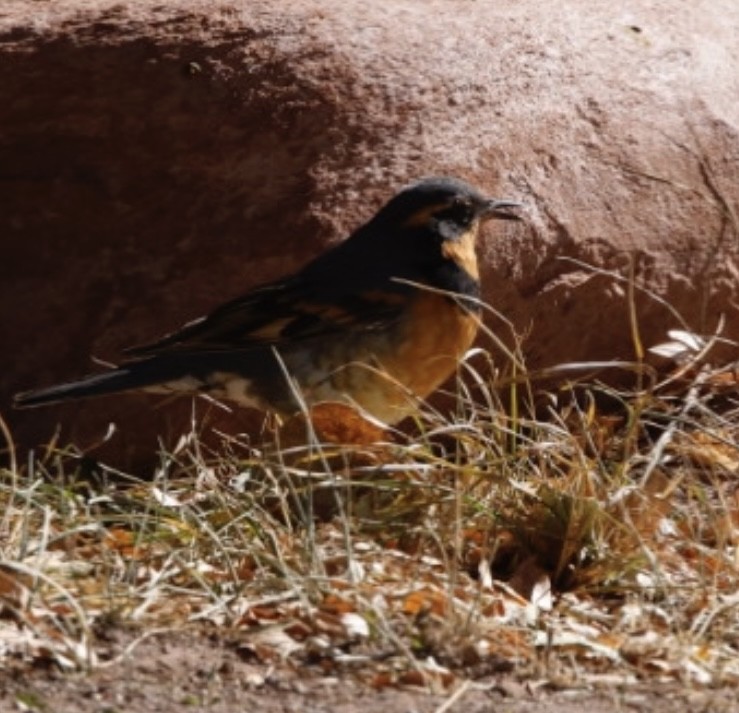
[(459, 211)]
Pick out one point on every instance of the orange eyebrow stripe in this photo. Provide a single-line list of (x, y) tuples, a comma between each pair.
[(422, 216)]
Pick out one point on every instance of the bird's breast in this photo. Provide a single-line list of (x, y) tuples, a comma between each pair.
[(387, 370), (432, 338)]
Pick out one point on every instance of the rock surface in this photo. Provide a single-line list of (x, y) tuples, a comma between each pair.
[(158, 158)]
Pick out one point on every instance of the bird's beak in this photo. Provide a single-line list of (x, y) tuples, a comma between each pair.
[(500, 210)]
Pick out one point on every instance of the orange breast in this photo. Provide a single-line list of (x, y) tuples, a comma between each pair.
[(431, 340), (386, 372)]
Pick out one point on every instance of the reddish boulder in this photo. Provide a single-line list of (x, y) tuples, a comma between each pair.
[(159, 158)]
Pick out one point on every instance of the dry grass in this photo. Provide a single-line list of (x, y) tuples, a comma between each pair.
[(564, 542)]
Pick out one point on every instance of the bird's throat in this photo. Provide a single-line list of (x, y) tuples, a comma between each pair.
[(461, 251)]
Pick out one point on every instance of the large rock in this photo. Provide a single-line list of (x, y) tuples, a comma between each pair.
[(157, 158)]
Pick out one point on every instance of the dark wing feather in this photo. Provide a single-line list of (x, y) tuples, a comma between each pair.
[(282, 312)]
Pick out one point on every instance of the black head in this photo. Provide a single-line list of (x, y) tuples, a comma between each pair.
[(446, 207), (426, 233)]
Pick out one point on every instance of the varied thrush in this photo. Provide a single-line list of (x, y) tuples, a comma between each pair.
[(377, 321)]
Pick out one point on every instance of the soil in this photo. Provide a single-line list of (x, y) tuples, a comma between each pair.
[(201, 670)]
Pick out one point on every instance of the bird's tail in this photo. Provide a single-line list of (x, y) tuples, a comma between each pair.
[(124, 378)]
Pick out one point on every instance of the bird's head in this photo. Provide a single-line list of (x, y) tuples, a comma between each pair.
[(443, 207), (426, 233), (436, 220)]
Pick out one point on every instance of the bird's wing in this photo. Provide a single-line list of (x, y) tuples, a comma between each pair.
[(279, 313)]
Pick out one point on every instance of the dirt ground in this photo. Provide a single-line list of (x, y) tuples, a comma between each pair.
[(202, 671)]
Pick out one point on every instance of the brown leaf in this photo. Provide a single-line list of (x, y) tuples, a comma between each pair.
[(14, 588), (711, 451), (425, 601), (333, 604), (335, 423)]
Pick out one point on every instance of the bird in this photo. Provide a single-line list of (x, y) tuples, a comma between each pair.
[(378, 321)]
